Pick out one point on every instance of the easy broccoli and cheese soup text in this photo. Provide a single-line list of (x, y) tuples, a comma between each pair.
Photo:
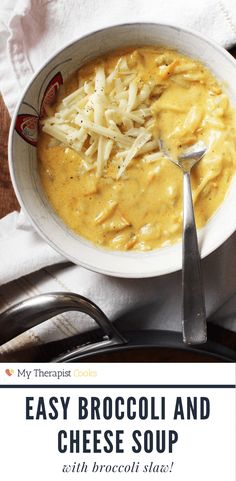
[(99, 154)]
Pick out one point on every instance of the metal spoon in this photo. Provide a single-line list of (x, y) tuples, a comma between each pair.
[(193, 303)]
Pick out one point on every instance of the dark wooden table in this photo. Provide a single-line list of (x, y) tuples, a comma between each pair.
[(8, 203)]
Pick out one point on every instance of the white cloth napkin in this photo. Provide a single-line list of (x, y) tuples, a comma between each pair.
[(30, 31)]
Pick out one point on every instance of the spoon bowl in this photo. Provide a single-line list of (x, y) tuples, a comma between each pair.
[(191, 156)]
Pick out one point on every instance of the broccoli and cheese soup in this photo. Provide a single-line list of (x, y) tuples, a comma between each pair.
[(99, 154)]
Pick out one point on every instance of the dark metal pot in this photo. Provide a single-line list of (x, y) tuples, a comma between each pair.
[(106, 343)]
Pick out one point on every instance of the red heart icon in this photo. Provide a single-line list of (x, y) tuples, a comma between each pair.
[(9, 372)]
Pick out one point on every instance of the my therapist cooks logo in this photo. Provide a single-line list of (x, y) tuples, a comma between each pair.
[(9, 372), (49, 373)]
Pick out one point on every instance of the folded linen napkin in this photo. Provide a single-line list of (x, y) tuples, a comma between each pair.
[(30, 31)]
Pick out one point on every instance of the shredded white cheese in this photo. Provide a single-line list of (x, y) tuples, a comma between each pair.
[(108, 117), (136, 147)]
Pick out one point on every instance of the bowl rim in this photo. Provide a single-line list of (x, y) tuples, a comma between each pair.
[(121, 274)]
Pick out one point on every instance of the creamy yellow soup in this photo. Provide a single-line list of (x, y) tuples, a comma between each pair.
[(99, 154)]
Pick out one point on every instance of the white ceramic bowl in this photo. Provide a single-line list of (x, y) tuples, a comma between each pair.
[(23, 154)]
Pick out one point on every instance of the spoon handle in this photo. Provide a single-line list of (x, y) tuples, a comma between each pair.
[(194, 313)]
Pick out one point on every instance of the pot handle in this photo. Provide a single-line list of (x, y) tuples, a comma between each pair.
[(33, 311)]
